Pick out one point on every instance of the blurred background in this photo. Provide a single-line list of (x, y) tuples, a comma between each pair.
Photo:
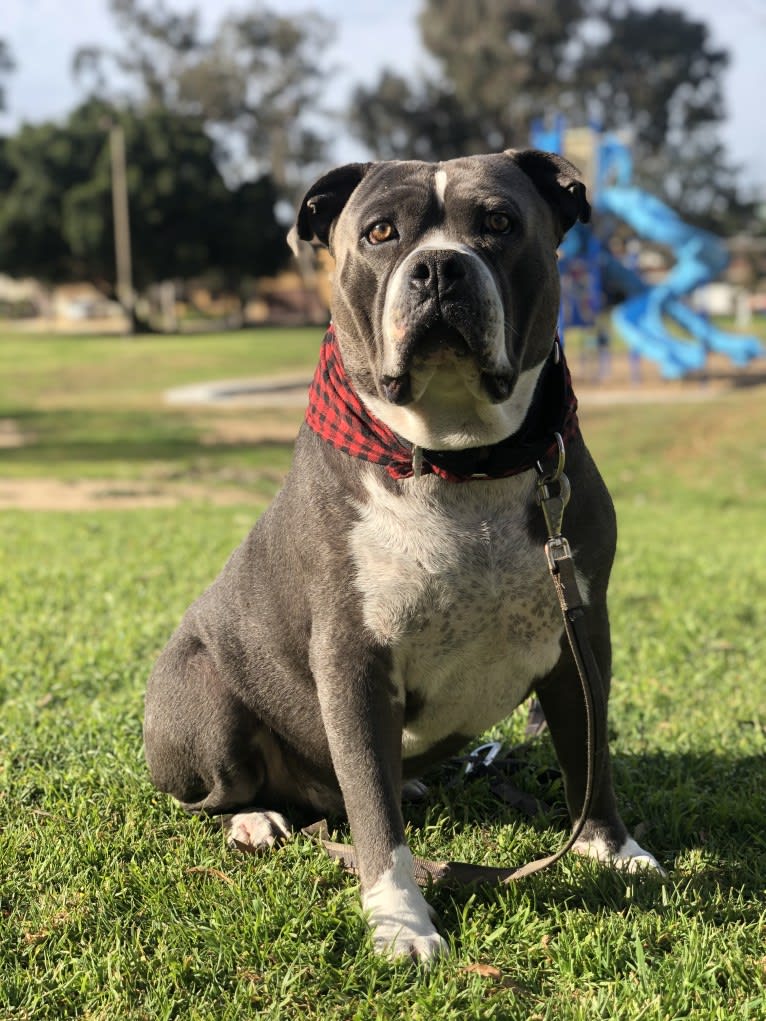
[(151, 154)]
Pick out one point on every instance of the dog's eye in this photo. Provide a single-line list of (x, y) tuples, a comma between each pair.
[(498, 223), (381, 232)]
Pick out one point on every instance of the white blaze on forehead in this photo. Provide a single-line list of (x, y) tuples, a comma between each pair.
[(440, 186)]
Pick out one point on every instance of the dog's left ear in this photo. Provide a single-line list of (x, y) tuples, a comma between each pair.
[(323, 203), (558, 181)]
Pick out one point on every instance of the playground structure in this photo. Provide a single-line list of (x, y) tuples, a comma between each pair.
[(589, 268)]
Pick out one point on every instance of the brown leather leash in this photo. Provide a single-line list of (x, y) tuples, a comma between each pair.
[(553, 491)]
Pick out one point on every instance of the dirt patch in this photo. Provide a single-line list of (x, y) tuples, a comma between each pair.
[(11, 435), (244, 431), (107, 494)]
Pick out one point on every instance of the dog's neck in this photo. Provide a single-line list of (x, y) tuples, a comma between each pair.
[(339, 416)]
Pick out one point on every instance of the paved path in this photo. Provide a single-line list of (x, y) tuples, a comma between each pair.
[(288, 391), (263, 392)]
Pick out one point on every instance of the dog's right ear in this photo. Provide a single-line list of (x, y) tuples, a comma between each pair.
[(323, 203)]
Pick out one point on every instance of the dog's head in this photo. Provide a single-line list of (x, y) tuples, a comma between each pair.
[(446, 289)]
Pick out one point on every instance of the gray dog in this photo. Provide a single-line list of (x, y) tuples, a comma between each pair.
[(394, 600)]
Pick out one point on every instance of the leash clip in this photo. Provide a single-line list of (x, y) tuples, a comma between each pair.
[(558, 471), (553, 502), (553, 492), (480, 758)]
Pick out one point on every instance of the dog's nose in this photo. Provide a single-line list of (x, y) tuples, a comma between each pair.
[(436, 271)]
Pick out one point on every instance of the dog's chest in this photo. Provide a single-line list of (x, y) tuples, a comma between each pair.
[(452, 583)]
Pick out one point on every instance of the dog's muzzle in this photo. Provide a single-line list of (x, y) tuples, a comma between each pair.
[(443, 306)]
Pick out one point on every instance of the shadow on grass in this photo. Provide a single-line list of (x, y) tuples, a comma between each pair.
[(702, 814), (57, 437)]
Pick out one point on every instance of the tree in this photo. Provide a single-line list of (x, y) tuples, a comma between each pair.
[(412, 120), (7, 171), (658, 72), (250, 82), (504, 59), (7, 65), (503, 63), (43, 162), (499, 64), (257, 80), (56, 215), (156, 45)]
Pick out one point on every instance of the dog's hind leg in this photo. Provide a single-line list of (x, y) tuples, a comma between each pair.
[(202, 743), (212, 753)]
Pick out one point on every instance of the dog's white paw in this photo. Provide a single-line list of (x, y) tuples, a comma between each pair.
[(257, 831), (399, 915), (631, 857)]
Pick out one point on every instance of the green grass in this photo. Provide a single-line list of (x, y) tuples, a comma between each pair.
[(114, 905), (92, 407), (45, 367)]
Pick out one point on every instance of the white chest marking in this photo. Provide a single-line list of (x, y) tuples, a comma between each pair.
[(451, 582)]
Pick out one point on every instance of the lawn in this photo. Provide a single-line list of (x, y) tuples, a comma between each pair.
[(114, 905), (91, 407)]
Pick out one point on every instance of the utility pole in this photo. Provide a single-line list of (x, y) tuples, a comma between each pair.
[(121, 215)]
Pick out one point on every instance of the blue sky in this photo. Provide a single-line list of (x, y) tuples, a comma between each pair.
[(43, 35)]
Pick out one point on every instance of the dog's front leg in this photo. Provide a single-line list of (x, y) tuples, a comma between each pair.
[(363, 721)]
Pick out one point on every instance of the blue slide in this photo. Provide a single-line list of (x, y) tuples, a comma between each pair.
[(700, 258)]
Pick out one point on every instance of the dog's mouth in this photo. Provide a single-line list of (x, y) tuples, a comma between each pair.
[(441, 346), (397, 389), (438, 340)]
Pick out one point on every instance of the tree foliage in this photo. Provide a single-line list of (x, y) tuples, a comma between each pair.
[(500, 64), (7, 65), (56, 213), (400, 119), (656, 71), (503, 59), (250, 81)]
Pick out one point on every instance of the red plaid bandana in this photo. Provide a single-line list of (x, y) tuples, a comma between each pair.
[(336, 413)]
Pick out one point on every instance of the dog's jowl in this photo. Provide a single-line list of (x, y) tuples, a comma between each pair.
[(394, 600)]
